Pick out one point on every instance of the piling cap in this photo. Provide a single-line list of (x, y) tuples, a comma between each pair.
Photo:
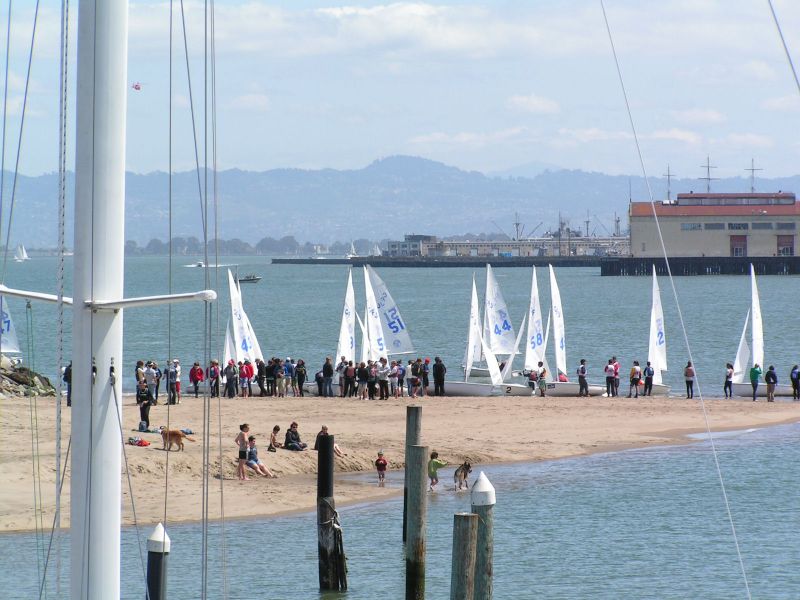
[(482, 492), (158, 540)]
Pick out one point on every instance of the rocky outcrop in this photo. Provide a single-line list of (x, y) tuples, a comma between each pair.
[(18, 380)]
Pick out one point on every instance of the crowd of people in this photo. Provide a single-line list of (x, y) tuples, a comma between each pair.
[(381, 379)]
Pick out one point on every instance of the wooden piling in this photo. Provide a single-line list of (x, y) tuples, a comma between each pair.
[(416, 470), (462, 573), (483, 501), (413, 431), (332, 561)]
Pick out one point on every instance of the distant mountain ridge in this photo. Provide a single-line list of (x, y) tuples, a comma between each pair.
[(386, 199)]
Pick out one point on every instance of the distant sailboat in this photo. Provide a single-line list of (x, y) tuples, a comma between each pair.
[(21, 255), (657, 351), (741, 375), (352, 252)]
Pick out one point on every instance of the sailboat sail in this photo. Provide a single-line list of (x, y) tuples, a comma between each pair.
[(10, 341), (757, 324), (558, 326), (365, 355), (491, 362), (742, 355), (377, 345), (242, 332), (347, 340), (497, 329), (474, 338), (506, 371), (657, 351), (536, 345), (24, 253), (256, 353), (385, 314), (229, 352)]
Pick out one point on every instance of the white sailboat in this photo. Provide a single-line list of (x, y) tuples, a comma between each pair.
[(20, 254), (741, 376), (385, 325), (10, 341), (244, 338), (556, 387), (657, 350), (347, 340)]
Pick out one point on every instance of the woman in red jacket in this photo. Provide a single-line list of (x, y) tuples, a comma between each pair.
[(195, 377)]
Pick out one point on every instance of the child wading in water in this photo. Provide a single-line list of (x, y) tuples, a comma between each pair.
[(381, 465), (241, 441), (434, 464)]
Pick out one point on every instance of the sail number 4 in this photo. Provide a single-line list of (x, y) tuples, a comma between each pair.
[(506, 326)]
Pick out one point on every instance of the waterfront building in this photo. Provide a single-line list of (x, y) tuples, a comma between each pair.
[(717, 225)]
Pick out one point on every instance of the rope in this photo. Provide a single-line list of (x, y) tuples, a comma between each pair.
[(678, 305), (55, 525), (113, 382), (5, 122)]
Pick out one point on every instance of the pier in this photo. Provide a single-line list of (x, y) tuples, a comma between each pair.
[(448, 261), (701, 265)]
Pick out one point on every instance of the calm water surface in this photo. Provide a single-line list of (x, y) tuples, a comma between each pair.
[(636, 524), (296, 310)]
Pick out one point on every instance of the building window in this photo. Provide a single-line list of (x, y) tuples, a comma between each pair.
[(739, 246), (738, 226), (761, 226), (643, 247), (785, 245), (714, 226), (785, 225), (691, 226)]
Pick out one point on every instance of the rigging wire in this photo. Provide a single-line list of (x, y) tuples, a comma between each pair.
[(5, 123), (721, 479), (785, 46), (53, 528)]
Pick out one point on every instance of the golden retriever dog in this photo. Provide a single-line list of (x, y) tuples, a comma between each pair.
[(173, 436)]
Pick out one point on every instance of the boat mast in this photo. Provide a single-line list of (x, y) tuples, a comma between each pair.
[(97, 334)]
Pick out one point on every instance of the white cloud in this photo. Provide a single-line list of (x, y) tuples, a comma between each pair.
[(677, 135), (471, 139), (782, 103), (758, 69), (251, 102), (594, 134), (534, 104), (698, 115), (751, 140)]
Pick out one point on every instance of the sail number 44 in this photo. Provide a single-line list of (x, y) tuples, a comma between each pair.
[(506, 326)]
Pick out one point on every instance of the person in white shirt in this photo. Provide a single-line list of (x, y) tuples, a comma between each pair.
[(636, 377), (609, 371)]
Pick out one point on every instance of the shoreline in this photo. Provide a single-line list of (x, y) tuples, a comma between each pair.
[(496, 431)]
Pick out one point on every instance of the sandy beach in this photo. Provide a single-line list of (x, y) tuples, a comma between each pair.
[(482, 430)]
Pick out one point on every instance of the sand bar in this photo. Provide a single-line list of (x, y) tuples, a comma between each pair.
[(483, 430)]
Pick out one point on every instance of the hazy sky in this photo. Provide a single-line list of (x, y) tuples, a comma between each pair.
[(480, 85)]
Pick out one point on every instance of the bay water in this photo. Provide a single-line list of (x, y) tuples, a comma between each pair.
[(296, 311), (647, 523)]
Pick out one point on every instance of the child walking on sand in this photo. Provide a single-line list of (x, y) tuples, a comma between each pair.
[(241, 441), (381, 465), (434, 464)]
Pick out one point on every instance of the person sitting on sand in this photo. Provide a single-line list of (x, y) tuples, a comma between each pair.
[(253, 461), (292, 439), (274, 444), (336, 450)]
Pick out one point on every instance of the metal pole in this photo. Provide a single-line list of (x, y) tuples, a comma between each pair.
[(330, 550), (98, 275), (416, 470), (462, 573), (413, 429), (483, 501), (157, 552)]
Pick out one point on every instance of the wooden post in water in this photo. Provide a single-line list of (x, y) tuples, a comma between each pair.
[(483, 501), (416, 472), (332, 561), (413, 428), (462, 573)]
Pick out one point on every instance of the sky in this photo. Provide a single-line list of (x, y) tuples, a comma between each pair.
[(483, 86)]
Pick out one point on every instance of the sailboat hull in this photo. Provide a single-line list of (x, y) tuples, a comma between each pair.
[(570, 388), (484, 372), (472, 388), (745, 390)]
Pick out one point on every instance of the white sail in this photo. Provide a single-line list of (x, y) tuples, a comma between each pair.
[(756, 325), (742, 355), (657, 351), (558, 326), (347, 330), (491, 362), (229, 352), (365, 355), (10, 341), (497, 329), (535, 347), (24, 252), (506, 371), (390, 323), (242, 334), (256, 353), (474, 345), (377, 344), (19, 253)]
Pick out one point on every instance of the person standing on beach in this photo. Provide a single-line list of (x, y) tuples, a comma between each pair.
[(196, 377), (728, 387), (615, 364), (434, 464), (241, 441), (261, 377), (383, 378), (230, 378), (340, 367), (542, 379), (401, 379), (150, 379), (794, 376), (688, 375), (424, 370), (771, 379), (301, 374), (381, 464), (609, 371), (755, 375), (159, 377), (649, 371), (174, 381), (635, 378), (327, 378), (583, 385), (212, 373), (439, 371)]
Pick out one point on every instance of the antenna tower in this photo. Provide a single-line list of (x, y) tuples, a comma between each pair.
[(669, 177), (708, 178), (753, 170)]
